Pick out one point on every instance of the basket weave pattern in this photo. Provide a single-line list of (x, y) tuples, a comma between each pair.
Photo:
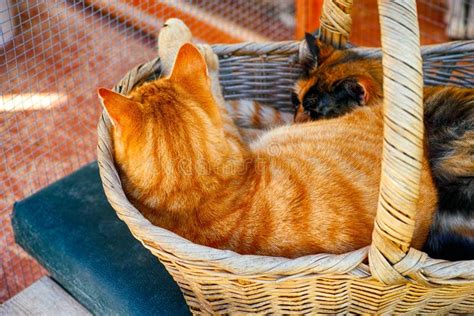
[(399, 279)]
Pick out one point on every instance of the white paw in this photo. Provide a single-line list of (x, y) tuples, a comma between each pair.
[(172, 36), (210, 57)]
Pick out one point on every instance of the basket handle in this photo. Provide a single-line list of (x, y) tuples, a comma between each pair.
[(336, 22), (390, 255)]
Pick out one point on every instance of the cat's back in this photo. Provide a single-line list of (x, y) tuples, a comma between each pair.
[(355, 136), (328, 172), (336, 156)]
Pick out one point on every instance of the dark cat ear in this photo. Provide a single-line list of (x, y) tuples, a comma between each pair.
[(312, 45), (319, 52), (121, 109), (356, 88)]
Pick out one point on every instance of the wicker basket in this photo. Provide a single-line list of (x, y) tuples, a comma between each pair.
[(396, 278)]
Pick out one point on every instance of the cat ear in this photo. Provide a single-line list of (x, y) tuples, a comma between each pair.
[(190, 68), (318, 49), (319, 52), (359, 88), (312, 45), (356, 88), (121, 109)]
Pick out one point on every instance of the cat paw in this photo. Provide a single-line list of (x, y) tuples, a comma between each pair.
[(210, 57), (172, 36)]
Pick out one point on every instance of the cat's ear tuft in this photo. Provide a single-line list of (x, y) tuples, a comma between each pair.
[(324, 51), (121, 109), (189, 66)]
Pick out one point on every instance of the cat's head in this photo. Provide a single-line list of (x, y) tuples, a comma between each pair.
[(335, 81), (163, 122)]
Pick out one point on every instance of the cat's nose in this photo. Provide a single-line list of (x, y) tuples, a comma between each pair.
[(301, 115)]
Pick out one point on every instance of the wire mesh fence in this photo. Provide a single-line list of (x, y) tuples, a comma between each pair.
[(440, 21), (54, 54)]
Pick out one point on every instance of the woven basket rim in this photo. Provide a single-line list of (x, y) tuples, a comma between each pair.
[(290, 47), (161, 240)]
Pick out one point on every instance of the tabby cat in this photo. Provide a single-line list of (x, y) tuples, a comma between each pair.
[(343, 81), (296, 190)]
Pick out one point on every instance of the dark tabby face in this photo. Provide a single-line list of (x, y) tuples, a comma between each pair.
[(335, 82), (340, 98)]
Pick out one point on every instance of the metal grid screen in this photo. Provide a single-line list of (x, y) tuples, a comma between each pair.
[(54, 54)]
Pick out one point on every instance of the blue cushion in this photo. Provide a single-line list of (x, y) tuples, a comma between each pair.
[(71, 229)]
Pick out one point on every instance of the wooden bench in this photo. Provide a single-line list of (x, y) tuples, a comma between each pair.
[(44, 297)]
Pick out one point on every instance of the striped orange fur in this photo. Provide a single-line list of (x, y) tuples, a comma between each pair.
[(252, 114), (254, 119), (297, 190)]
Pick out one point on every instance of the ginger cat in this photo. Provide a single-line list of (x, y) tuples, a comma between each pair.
[(298, 190)]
